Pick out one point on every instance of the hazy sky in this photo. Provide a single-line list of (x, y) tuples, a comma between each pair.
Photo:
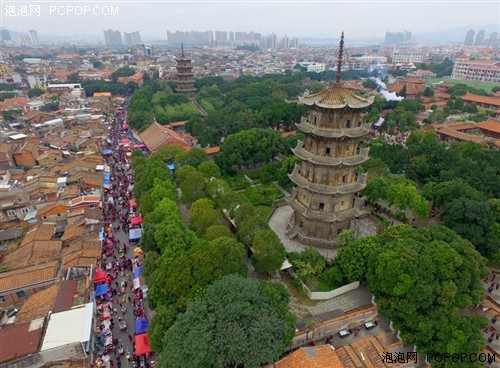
[(293, 18)]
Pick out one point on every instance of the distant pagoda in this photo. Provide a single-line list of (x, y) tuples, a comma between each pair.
[(185, 81), (325, 199)]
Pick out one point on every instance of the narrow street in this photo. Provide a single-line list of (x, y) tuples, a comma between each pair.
[(119, 295)]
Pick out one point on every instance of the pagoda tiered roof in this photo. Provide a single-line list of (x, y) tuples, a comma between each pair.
[(305, 155), (336, 97), (323, 216), (302, 182), (355, 132)]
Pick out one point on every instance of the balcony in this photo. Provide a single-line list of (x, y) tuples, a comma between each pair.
[(354, 160), (354, 132), (302, 182), (322, 216)]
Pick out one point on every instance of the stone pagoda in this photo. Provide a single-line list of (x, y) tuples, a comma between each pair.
[(325, 200), (185, 81)]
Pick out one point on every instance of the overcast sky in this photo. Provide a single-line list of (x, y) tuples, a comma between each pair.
[(293, 18)]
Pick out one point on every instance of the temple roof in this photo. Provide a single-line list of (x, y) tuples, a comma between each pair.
[(336, 97)]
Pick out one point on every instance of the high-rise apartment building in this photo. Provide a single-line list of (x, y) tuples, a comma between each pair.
[(469, 38), (33, 37), (395, 38), (133, 38), (112, 38), (479, 38)]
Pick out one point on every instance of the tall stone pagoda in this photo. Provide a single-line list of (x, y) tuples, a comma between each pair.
[(185, 81), (325, 200)]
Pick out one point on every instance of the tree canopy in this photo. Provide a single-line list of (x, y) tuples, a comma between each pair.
[(236, 322)]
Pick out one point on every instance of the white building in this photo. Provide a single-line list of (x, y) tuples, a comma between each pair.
[(410, 57), (476, 70)]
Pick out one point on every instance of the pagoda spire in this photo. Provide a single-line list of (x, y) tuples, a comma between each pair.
[(339, 61), (182, 48)]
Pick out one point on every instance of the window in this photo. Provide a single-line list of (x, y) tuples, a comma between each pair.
[(11, 213), (2, 299), (344, 178), (321, 206), (327, 151), (25, 210), (21, 294), (315, 120), (348, 123)]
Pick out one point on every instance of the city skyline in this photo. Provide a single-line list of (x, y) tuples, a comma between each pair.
[(302, 19)]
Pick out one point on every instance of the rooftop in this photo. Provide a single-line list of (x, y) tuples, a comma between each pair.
[(18, 340), (336, 97)]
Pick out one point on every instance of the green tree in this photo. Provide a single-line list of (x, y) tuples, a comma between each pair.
[(35, 92), (473, 220), (354, 259), (194, 157), (428, 92), (209, 170), (420, 279), (203, 215), (234, 323), (193, 187), (370, 83), (268, 252), (217, 231)]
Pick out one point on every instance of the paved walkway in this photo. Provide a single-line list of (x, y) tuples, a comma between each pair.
[(279, 223), (344, 303)]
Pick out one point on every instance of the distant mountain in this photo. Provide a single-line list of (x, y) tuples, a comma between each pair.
[(454, 35)]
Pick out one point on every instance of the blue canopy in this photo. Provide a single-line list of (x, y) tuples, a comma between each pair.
[(106, 152), (101, 290), (107, 175), (171, 166), (141, 325), (137, 271)]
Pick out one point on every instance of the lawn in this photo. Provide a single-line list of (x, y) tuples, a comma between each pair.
[(486, 86)]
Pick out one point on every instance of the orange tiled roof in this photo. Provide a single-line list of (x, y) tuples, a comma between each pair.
[(28, 276), (38, 251), (286, 134), (157, 135), (37, 305), (495, 101), (460, 136), (490, 125), (322, 356), (211, 150)]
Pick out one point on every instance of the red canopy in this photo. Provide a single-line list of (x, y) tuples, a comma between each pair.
[(99, 275), (136, 220), (142, 344), (132, 203), (125, 127), (125, 141)]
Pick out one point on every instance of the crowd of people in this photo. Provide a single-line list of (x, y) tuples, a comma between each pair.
[(119, 295)]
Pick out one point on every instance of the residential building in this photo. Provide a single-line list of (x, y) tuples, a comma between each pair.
[(476, 70), (404, 56), (33, 37), (395, 38), (479, 38), (133, 38), (469, 38)]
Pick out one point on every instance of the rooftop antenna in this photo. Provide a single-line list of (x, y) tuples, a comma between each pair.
[(339, 61), (182, 48)]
